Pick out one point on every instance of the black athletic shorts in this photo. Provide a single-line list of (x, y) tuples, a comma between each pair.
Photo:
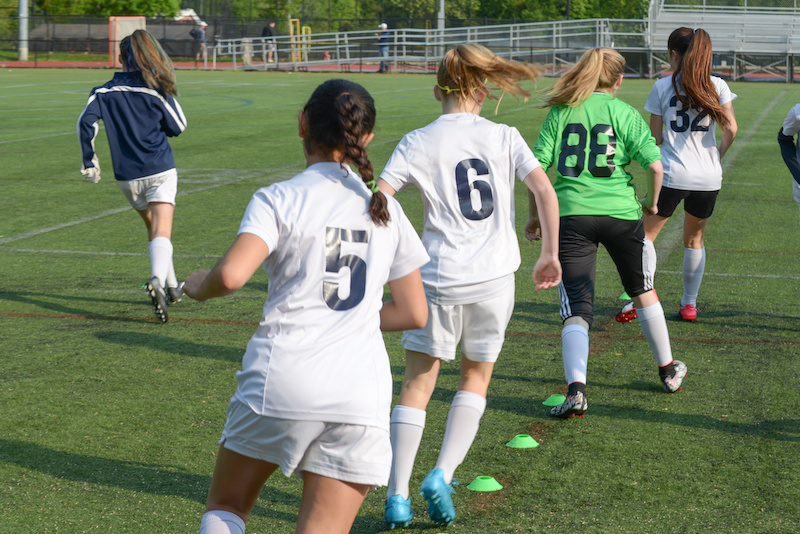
[(697, 203), (578, 241)]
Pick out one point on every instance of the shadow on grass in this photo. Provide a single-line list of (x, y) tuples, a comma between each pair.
[(153, 479), (56, 307), (167, 344), (775, 429)]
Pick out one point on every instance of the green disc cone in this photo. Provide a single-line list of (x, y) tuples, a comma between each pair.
[(624, 296), (522, 441), (554, 400), (484, 483)]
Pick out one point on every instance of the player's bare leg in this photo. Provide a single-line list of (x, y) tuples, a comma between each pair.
[(329, 506), (235, 486), (158, 220), (407, 425)]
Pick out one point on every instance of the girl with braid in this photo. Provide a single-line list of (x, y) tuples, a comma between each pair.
[(685, 109), (465, 168), (315, 388), (591, 136), (139, 111)]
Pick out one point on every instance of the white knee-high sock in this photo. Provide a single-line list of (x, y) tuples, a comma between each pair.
[(575, 352), (462, 427), (654, 328), (221, 522), (172, 280), (160, 249), (406, 435), (649, 263), (694, 265)]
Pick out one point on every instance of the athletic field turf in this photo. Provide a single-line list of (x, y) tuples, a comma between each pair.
[(110, 420)]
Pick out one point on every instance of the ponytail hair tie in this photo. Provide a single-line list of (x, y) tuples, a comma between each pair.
[(448, 89), (373, 186)]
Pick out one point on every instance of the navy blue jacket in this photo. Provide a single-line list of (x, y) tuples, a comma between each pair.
[(137, 120)]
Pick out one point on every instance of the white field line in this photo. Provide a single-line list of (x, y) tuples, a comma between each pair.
[(247, 176), (22, 140)]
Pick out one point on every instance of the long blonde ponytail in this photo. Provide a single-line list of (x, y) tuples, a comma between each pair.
[(467, 68), (597, 68)]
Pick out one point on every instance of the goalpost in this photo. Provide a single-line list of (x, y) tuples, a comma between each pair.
[(118, 29)]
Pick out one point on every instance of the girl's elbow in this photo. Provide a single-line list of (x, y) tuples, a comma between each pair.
[(230, 282), (419, 318)]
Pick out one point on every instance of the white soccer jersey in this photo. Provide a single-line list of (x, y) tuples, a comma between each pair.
[(689, 152), (318, 353), (791, 125), (464, 167)]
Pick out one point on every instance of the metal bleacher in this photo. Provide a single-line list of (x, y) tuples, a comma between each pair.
[(751, 40)]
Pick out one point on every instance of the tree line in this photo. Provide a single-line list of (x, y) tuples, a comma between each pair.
[(456, 11)]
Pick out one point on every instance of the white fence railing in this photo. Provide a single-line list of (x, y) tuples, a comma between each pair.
[(553, 44)]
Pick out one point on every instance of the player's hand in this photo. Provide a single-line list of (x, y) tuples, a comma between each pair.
[(546, 272), (648, 206), (191, 286), (92, 174), (533, 229)]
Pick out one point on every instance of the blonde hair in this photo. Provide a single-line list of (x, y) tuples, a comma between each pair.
[(596, 69), (140, 51), (467, 68)]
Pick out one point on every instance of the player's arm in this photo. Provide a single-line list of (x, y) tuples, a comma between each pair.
[(408, 308), (174, 121), (547, 271), (657, 128), (87, 133), (655, 176), (231, 272), (385, 188), (729, 130)]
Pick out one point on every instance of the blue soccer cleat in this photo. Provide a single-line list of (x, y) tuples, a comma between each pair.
[(439, 497), (397, 511)]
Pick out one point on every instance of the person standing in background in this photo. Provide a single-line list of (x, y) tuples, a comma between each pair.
[(383, 46), (269, 43), (199, 34)]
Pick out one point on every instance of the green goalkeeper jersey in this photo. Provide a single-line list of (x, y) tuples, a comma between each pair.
[(591, 145)]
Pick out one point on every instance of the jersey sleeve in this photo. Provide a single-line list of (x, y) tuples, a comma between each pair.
[(791, 124), (410, 253), (260, 218), (544, 149), (653, 103), (87, 131), (174, 121), (724, 92), (524, 159), (397, 172), (639, 142)]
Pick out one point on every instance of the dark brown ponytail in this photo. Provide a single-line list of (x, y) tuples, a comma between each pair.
[(692, 78), (340, 115)]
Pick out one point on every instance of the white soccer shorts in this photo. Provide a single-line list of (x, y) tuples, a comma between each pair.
[(352, 453), (161, 187), (480, 327)]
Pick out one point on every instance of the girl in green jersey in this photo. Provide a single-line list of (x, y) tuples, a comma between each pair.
[(591, 137)]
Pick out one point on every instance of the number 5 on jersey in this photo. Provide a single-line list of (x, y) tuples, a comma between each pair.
[(334, 261)]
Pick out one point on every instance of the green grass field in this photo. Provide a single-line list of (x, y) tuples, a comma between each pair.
[(110, 420)]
